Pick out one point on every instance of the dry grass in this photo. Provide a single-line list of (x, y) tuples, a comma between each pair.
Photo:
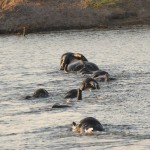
[(100, 3), (42, 15), (7, 4)]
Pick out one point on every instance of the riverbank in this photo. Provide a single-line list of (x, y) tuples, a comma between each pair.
[(18, 16)]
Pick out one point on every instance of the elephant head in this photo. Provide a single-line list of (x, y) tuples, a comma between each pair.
[(69, 57), (89, 84)]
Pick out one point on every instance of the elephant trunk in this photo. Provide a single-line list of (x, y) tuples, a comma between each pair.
[(79, 94)]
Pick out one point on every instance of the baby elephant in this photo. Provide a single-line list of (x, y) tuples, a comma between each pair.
[(39, 93), (87, 125)]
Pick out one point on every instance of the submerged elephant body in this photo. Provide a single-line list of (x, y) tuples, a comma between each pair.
[(87, 67), (39, 93), (102, 76), (87, 125), (57, 105)]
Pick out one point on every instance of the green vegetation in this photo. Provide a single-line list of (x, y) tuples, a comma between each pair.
[(99, 3)]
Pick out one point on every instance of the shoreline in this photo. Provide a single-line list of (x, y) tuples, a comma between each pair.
[(127, 27)]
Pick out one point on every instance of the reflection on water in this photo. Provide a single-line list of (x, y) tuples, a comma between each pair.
[(121, 106)]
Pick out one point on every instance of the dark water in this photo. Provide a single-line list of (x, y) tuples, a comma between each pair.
[(122, 106)]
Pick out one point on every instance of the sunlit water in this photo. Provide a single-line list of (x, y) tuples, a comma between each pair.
[(123, 106)]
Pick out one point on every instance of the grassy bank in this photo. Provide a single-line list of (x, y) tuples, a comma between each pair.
[(47, 15)]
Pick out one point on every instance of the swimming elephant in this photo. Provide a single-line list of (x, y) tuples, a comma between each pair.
[(57, 105), (69, 57), (85, 67), (73, 94), (87, 84), (87, 125), (99, 73), (39, 93), (102, 76)]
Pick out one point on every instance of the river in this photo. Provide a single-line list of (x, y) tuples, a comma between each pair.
[(122, 106)]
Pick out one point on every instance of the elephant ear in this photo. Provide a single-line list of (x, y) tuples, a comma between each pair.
[(82, 86), (64, 61), (95, 85), (74, 127), (62, 58), (74, 124)]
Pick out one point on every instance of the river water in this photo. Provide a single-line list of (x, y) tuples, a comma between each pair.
[(122, 106)]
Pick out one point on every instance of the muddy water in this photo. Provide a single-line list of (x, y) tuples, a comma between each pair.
[(123, 106)]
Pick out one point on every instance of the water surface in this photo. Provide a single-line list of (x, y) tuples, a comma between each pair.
[(123, 106)]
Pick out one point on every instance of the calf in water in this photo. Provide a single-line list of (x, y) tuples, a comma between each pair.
[(87, 125)]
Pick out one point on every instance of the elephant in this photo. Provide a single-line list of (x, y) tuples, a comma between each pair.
[(76, 62), (87, 84), (57, 105), (39, 93), (99, 73), (73, 94), (102, 76), (69, 57), (87, 125)]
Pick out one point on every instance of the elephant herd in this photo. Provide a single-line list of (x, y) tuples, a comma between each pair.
[(77, 63)]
